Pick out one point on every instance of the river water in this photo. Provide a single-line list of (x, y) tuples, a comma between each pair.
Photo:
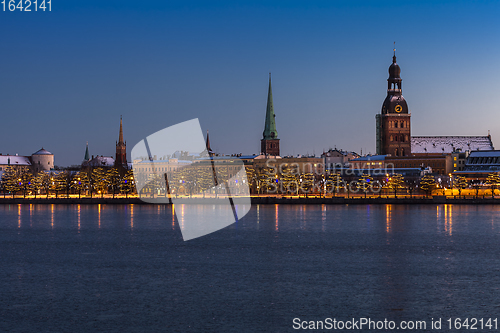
[(125, 268)]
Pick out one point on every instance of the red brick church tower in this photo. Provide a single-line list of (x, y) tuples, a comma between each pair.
[(393, 123), (121, 150)]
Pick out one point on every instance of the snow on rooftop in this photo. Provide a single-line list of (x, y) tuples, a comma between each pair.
[(103, 161), (447, 144), (369, 158), (494, 153), (43, 152), (14, 160)]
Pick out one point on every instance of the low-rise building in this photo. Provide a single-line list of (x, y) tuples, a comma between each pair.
[(300, 164), (42, 160), (479, 165), (335, 158), (441, 164)]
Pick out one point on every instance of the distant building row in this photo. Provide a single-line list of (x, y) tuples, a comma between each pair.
[(42, 160)]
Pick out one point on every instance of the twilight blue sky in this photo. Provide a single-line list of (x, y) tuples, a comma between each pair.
[(66, 76)]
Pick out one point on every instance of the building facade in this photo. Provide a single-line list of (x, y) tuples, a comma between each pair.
[(439, 164), (42, 160), (335, 158), (479, 165)]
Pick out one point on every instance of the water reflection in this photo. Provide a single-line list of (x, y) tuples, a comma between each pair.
[(258, 217), (276, 217), (448, 219), (31, 214), (79, 215), (388, 218), (323, 218), (132, 217), (173, 217), (52, 216), (181, 221), (326, 259), (444, 219), (19, 216), (99, 216)]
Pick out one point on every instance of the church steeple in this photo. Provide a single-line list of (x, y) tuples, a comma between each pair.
[(120, 136), (270, 144), (121, 149), (270, 125), (394, 81), (394, 102), (87, 156), (393, 123)]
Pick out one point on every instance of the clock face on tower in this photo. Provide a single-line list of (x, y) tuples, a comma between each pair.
[(398, 108)]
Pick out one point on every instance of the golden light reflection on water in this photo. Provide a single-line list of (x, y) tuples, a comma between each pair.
[(78, 213), (437, 217), (19, 216), (181, 221), (448, 219), (276, 214), (31, 214), (99, 215), (388, 218), (173, 217), (132, 216), (52, 216), (258, 217)]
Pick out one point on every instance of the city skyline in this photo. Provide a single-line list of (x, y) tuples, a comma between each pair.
[(67, 76)]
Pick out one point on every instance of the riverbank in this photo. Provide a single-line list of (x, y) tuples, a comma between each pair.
[(265, 200)]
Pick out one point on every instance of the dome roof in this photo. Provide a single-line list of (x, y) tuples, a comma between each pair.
[(43, 152), (395, 104), (394, 70)]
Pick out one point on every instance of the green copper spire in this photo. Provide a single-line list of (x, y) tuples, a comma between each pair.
[(270, 127), (87, 157)]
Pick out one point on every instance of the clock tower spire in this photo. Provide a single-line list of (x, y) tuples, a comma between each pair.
[(393, 123)]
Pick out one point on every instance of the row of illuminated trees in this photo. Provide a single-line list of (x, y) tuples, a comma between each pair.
[(268, 181), (98, 181), (202, 178)]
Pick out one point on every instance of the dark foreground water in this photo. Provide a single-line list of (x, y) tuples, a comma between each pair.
[(127, 269)]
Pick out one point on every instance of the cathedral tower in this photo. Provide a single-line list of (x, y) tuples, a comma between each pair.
[(121, 149), (393, 123), (270, 144)]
